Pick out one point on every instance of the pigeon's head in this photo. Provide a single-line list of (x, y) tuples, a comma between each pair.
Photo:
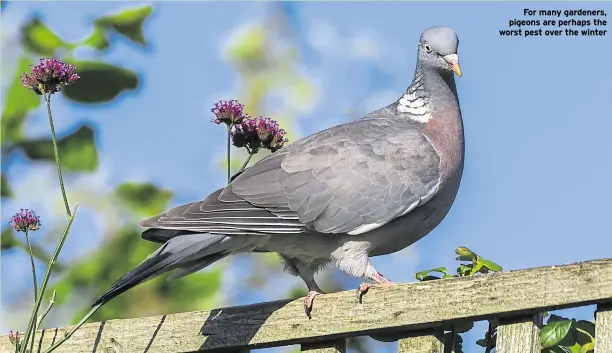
[(438, 50)]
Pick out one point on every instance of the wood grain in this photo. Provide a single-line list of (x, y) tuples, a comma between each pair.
[(519, 336), (404, 307)]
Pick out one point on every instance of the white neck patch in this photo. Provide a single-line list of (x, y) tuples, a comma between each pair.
[(416, 107)]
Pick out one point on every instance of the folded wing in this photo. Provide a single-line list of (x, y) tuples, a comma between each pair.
[(351, 178)]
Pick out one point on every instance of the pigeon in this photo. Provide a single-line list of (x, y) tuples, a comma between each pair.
[(365, 188)]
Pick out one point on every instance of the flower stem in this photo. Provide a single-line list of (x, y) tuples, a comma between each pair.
[(40, 320), (244, 165), (229, 145), (42, 317), (56, 153), (71, 332), (30, 333), (33, 267)]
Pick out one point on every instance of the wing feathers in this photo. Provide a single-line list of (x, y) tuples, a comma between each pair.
[(348, 179)]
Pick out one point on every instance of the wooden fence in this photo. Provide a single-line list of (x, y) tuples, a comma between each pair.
[(412, 313)]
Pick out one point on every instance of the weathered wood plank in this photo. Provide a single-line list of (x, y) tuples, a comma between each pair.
[(426, 342), (411, 306), (603, 328), (521, 335), (334, 346)]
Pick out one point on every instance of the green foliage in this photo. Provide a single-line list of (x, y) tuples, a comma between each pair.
[(559, 335), (100, 82), (77, 150), (17, 104), (97, 39), (562, 335), (145, 199), (8, 239), (4, 186), (554, 332), (39, 39), (425, 275), (129, 23), (477, 265), (124, 250)]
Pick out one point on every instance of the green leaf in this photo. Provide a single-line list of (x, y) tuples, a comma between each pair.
[(554, 332), (587, 348), (128, 23), (249, 46), (584, 332), (100, 82), (450, 338), (18, 101), (145, 198), (38, 38), (465, 254), (8, 239), (463, 326), (482, 342), (5, 188), (477, 268), (422, 274), (554, 318), (77, 150), (491, 265), (464, 270), (97, 39)]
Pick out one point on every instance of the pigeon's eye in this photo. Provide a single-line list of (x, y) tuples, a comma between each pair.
[(427, 48)]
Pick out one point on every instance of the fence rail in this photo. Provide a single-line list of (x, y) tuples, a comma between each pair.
[(412, 313)]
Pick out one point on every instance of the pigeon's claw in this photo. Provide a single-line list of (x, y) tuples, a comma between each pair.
[(308, 301), (362, 289), (378, 278)]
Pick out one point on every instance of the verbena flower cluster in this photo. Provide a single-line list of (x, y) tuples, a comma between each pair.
[(25, 220), (251, 133), (228, 112), (14, 338), (49, 75), (259, 133)]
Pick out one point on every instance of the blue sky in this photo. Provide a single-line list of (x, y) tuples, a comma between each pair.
[(536, 111)]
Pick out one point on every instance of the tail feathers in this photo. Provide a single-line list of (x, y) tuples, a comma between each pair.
[(200, 264), (186, 250)]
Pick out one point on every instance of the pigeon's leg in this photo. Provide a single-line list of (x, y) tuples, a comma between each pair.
[(378, 278), (307, 275)]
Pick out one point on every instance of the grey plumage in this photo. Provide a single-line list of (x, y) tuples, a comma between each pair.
[(365, 188)]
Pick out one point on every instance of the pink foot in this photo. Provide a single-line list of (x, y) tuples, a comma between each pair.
[(308, 301), (379, 279)]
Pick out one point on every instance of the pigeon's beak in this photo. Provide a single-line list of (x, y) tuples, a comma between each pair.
[(453, 61)]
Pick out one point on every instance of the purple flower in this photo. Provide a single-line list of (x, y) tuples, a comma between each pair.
[(25, 220), (271, 135), (14, 338), (228, 112), (49, 75), (258, 133)]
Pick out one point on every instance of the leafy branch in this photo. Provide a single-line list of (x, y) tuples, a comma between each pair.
[(101, 82), (559, 335)]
